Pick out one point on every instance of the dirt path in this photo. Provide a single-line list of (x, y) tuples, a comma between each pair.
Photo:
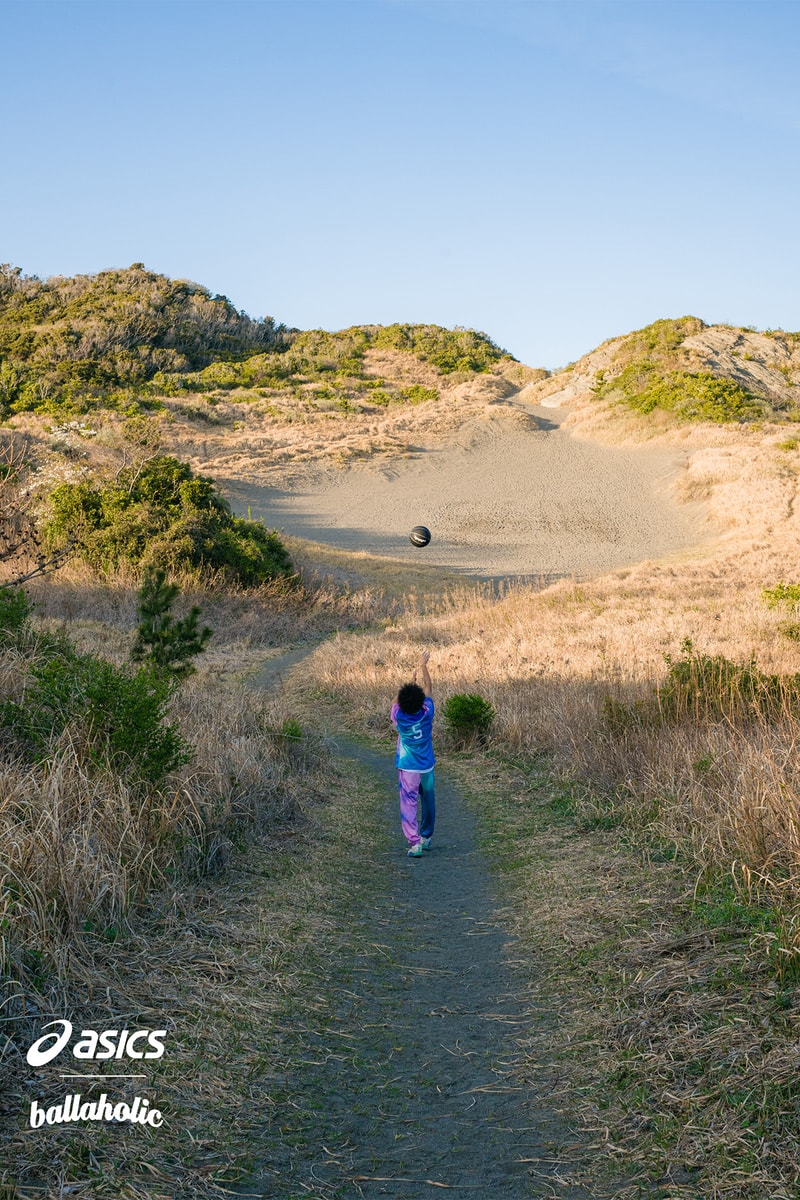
[(408, 1084)]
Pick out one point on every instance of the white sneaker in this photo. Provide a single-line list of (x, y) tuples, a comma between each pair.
[(415, 851), (425, 843)]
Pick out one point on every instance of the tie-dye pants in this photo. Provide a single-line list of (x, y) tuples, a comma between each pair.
[(416, 785)]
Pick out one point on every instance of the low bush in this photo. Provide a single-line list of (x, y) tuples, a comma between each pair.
[(705, 687), (468, 717), (785, 596), (14, 613), (162, 514), (448, 349), (662, 337), (115, 717), (782, 595), (644, 385), (702, 689), (417, 394)]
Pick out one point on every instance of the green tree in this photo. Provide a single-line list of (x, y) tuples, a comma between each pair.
[(163, 642)]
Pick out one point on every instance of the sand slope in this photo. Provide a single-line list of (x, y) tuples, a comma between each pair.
[(512, 494)]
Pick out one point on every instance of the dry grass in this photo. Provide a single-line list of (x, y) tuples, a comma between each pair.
[(220, 962), (116, 908), (81, 848), (550, 663), (86, 855), (100, 613), (262, 436), (676, 1041), (262, 446)]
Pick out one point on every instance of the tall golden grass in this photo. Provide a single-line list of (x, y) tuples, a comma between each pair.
[(723, 787), (83, 848)]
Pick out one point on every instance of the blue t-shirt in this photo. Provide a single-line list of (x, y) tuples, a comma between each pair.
[(414, 738)]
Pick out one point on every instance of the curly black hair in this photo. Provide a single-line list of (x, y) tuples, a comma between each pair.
[(410, 699)]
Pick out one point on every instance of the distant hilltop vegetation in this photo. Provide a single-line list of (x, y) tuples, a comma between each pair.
[(125, 337), (127, 340), (687, 369)]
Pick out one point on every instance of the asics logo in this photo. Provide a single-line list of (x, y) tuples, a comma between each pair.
[(110, 1043)]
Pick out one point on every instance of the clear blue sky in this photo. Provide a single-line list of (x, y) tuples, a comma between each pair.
[(553, 173)]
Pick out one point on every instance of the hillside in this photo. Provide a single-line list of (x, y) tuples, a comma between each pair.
[(683, 367), (70, 345), (132, 337), (234, 394), (103, 369), (75, 341)]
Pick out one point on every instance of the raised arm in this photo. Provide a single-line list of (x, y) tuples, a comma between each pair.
[(427, 686)]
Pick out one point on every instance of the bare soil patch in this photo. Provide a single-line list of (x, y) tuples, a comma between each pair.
[(510, 494)]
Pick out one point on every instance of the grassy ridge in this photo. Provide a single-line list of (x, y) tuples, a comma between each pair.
[(648, 373), (708, 379), (71, 342), (123, 338)]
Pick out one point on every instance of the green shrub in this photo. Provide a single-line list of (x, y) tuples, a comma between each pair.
[(317, 352), (448, 349), (782, 595), (651, 377), (701, 688), (417, 394), (117, 716), (69, 344), (662, 337), (644, 385), (14, 613), (292, 730), (705, 686), (292, 744), (786, 596), (163, 515), (468, 717)]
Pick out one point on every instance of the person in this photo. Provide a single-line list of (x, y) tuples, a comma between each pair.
[(412, 717)]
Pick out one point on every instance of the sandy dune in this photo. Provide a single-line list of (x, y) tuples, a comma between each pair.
[(513, 495)]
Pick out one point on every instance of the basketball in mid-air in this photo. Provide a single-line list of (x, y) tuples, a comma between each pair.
[(419, 536)]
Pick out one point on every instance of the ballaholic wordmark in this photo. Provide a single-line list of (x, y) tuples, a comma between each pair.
[(137, 1113)]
